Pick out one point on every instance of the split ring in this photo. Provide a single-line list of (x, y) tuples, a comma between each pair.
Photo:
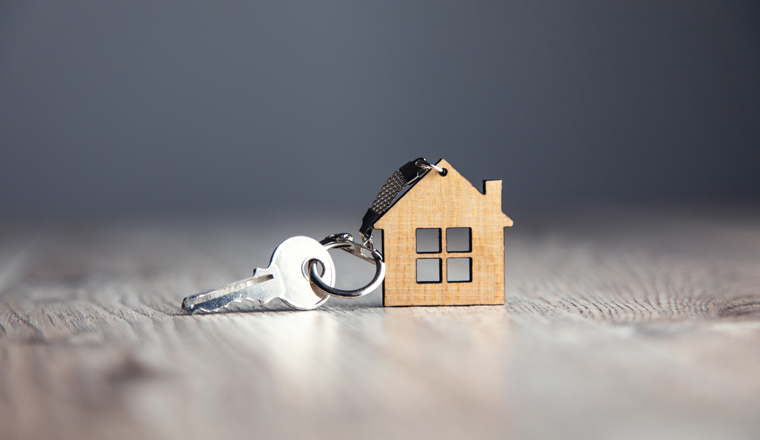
[(347, 244)]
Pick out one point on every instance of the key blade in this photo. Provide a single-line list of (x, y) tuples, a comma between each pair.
[(216, 299)]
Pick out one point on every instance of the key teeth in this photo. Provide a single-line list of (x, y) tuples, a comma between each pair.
[(192, 310)]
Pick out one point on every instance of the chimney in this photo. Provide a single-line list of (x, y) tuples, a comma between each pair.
[(493, 191)]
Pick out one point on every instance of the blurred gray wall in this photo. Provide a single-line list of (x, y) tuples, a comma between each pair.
[(119, 107)]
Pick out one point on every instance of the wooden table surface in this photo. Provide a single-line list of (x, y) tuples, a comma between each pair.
[(618, 324)]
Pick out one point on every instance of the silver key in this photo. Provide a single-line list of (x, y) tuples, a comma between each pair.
[(287, 278)]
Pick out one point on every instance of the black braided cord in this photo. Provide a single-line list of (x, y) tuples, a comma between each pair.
[(405, 175), (388, 193)]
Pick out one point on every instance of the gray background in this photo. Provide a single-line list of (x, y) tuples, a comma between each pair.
[(129, 107)]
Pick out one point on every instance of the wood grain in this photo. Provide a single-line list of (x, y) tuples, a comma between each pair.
[(443, 202), (617, 325)]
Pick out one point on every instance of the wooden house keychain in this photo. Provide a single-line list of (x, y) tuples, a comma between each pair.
[(443, 242)]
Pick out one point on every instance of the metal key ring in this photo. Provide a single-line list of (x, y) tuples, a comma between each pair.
[(346, 243)]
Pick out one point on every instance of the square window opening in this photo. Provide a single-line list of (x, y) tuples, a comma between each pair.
[(458, 240), (459, 270), (429, 241), (428, 270)]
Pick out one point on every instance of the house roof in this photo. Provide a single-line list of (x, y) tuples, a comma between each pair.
[(435, 183)]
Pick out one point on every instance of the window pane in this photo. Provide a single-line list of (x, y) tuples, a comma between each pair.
[(428, 270), (429, 241), (458, 240), (459, 270)]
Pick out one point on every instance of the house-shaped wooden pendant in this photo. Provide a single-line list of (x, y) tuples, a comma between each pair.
[(443, 243)]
